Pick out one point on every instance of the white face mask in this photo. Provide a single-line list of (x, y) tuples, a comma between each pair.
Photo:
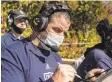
[(53, 40)]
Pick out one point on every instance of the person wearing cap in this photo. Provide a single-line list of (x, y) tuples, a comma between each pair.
[(18, 21), (24, 61)]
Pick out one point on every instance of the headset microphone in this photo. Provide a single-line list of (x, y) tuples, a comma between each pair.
[(41, 20), (53, 48)]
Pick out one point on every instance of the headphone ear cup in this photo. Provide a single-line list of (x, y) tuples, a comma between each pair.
[(9, 20), (39, 23), (43, 24)]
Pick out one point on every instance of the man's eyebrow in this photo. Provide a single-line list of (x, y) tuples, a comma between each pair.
[(64, 29)]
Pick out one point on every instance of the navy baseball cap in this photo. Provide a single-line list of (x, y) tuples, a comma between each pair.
[(18, 14)]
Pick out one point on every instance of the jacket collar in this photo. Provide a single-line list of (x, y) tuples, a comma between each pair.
[(38, 51), (14, 37)]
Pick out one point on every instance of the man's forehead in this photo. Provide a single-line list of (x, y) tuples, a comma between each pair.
[(62, 22)]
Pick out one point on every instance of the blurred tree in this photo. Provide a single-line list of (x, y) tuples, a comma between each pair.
[(85, 16)]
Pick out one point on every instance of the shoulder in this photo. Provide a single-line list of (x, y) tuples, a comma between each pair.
[(5, 36), (17, 48), (18, 44), (16, 51), (5, 39), (98, 54), (15, 55)]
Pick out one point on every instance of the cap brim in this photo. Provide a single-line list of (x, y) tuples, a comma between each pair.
[(20, 17)]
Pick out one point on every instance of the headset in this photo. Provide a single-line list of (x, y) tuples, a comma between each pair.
[(10, 19), (41, 20)]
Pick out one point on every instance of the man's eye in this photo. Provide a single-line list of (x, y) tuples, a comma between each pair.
[(57, 30), (21, 20)]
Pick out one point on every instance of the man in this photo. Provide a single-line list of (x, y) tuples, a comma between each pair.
[(18, 22), (23, 61), (99, 56)]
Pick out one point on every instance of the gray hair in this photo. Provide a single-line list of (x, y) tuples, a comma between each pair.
[(56, 14)]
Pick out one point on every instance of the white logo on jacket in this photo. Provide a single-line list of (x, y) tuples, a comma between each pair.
[(47, 75), (48, 67)]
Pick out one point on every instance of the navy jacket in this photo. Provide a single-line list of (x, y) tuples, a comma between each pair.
[(24, 62), (8, 39), (96, 58)]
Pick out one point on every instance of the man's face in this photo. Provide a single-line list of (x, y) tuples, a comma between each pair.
[(54, 34), (20, 23), (59, 25)]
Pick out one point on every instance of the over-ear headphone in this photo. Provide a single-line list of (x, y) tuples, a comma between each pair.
[(10, 19), (40, 21)]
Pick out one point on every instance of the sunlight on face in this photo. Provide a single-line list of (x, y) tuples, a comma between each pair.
[(59, 25)]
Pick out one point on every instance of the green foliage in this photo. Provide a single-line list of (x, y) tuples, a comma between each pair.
[(70, 50), (27, 32), (85, 16)]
